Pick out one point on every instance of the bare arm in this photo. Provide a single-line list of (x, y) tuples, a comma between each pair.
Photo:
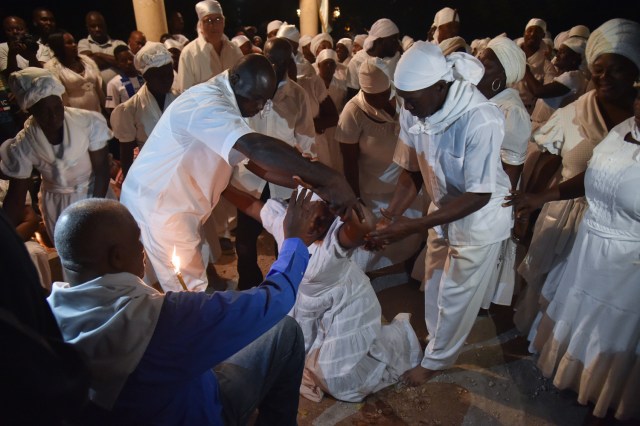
[(350, 154), (513, 172), (126, 156), (407, 188), (100, 166), (541, 90), (244, 202), (353, 231)]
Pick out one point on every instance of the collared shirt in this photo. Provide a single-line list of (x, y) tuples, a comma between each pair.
[(121, 88), (465, 157), (89, 44)]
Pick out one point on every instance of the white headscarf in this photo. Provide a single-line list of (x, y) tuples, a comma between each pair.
[(346, 42), (577, 44), (619, 36), (452, 44), (580, 31), (511, 57), (304, 40), (479, 44), (407, 42), (274, 25), (536, 22), (239, 40), (152, 55), (208, 7), (327, 54), (359, 39), (372, 78), (290, 32), (423, 65), (560, 38), (315, 41), (381, 28), (446, 15), (33, 84), (173, 44)]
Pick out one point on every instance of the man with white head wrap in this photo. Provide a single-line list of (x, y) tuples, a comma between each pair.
[(368, 133), (450, 139), (382, 42), (446, 23), (211, 52), (133, 120), (273, 27), (536, 51), (68, 146), (454, 44)]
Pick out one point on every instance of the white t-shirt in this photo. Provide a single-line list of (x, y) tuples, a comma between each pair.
[(119, 87)]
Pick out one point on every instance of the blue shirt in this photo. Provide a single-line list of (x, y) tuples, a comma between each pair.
[(174, 382)]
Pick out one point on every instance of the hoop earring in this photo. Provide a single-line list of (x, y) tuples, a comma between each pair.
[(495, 89)]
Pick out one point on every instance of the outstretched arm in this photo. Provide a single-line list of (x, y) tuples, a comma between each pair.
[(244, 202)]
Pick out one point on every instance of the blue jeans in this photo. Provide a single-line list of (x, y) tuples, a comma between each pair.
[(265, 375)]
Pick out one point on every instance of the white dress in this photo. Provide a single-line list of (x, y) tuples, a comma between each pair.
[(590, 336), (349, 353), (81, 90)]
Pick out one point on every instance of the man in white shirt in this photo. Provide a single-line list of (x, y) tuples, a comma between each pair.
[(450, 138), (20, 52), (188, 159)]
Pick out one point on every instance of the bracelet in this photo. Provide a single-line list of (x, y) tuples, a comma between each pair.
[(385, 213)]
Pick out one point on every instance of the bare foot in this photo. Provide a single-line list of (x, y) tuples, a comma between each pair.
[(417, 375)]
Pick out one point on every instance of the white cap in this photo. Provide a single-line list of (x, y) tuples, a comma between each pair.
[(290, 32), (274, 25), (208, 7)]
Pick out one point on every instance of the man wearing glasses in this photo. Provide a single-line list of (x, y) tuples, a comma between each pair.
[(210, 53)]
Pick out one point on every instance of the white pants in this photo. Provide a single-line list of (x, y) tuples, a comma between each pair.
[(457, 280)]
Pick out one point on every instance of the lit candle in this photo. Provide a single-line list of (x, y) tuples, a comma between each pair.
[(175, 260)]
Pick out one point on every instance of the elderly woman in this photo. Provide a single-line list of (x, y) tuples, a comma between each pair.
[(133, 120), (368, 133), (68, 146), (78, 73), (573, 132), (588, 337)]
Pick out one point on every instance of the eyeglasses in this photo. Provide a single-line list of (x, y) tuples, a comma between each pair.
[(211, 21)]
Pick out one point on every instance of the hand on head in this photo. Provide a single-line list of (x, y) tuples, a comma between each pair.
[(306, 219), (338, 195)]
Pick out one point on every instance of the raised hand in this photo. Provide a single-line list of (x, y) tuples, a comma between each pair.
[(302, 217)]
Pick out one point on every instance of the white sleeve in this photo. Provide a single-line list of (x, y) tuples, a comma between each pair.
[(15, 161), (272, 217), (100, 132), (348, 130), (405, 154), (482, 148), (517, 131), (113, 97), (123, 123)]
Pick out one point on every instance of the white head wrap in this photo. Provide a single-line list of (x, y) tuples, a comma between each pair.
[(577, 44), (327, 54), (407, 42), (423, 65), (208, 7), (452, 44), (173, 44), (620, 36), (580, 31), (274, 25), (239, 40), (446, 15), (372, 78), (33, 84), (315, 41), (152, 55), (346, 42), (304, 40), (479, 44), (560, 38), (359, 39), (381, 28), (511, 57), (290, 32), (535, 22)]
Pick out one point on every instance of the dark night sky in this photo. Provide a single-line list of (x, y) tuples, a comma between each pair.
[(479, 18)]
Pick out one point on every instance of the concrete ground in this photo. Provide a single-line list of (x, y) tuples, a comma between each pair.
[(495, 381)]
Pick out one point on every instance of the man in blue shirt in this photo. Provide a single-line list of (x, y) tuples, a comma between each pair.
[(184, 357)]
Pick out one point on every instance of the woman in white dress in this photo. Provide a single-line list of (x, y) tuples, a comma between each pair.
[(368, 133), (349, 353), (78, 74), (68, 146), (573, 132), (589, 338)]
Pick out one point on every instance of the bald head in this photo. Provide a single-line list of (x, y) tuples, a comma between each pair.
[(253, 82), (97, 236), (278, 51)]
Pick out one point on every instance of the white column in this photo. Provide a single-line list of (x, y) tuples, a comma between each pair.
[(308, 17), (151, 18)]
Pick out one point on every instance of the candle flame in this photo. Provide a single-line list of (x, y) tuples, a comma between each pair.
[(175, 260)]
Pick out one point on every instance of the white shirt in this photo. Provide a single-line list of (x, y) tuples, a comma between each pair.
[(188, 158), (517, 127), (43, 55), (88, 44), (465, 157), (199, 61), (117, 92)]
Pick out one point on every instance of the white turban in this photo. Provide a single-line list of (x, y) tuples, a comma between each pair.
[(208, 7), (423, 65), (446, 15), (560, 38), (290, 32), (173, 44), (479, 44), (152, 55), (577, 44), (346, 42), (372, 78), (239, 40), (452, 44), (619, 36), (327, 54), (274, 25), (535, 22), (407, 42), (359, 39), (33, 84), (381, 28), (511, 57), (580, 31), (315, 41)]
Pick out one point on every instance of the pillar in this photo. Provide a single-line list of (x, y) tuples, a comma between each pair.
[(308, 17), (151, 18)]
